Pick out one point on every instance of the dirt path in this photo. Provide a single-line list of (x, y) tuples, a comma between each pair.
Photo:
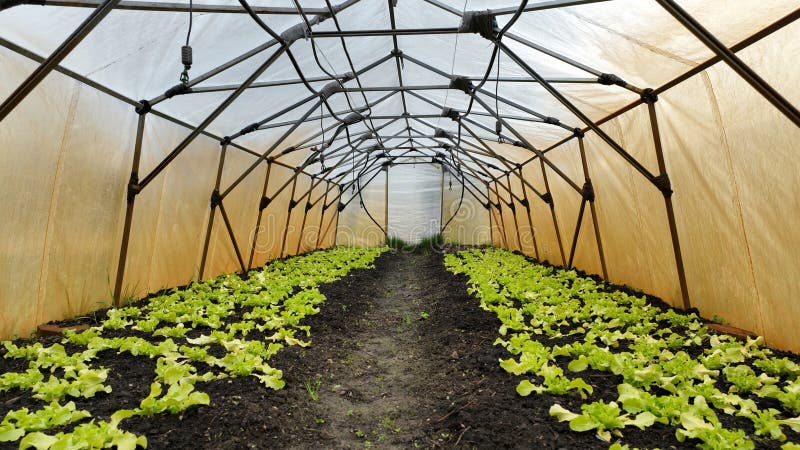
[(373, 380)]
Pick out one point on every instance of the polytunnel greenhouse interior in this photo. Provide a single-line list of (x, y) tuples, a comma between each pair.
[(234, 224)]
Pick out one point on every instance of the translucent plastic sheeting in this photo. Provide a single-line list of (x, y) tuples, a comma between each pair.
[(355, 226), (728, 155), (415, 201), (469, 219)]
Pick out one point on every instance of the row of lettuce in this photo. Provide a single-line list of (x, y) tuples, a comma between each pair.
[(673, 370), (271, 304)]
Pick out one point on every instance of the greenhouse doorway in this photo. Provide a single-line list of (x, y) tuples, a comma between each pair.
[(415, 202)]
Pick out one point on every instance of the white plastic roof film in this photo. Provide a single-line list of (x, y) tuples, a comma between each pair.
[(301, 173)]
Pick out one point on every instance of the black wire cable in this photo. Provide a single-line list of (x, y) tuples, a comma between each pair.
[(460, 201), (497, 40), (189, 33)]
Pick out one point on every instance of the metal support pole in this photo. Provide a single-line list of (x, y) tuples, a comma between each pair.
[(386, 202), (131, 200), (580, 115), (324, 207), (232, 236), (551, 203), (261, 207), (264, 155), (214, 197), (302, 227), (514, 211), (56, 57), (441, 205), (288, 217), (210, 118), (588, 183), (528, 213), (666, 190), (576, 234), (733, 61)]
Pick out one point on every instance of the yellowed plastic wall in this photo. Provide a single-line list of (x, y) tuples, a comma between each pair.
[(470, 219), (355, 228), (62, 230), (58, 233), (731, 158)]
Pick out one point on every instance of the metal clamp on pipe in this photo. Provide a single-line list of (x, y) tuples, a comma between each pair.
[(248, 129), (663, 184), (265, 201), (352, 118), (440, 133), (178, 89), (134, 188), (216, 199), (295, 32), (462, 84), (451, 113), (649, 96), (330, 89), (588, 191), (144, 107), (609, 79), (483, 23)]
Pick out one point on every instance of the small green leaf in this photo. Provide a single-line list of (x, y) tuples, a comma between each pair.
[(583, 423), (561, 414)]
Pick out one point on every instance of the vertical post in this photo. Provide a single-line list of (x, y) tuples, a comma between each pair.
[(336, 218), (548, 197), (514, 210), (322, 214), (288, 216), (441, 205), (214, 203), (306, 208), (528, 213), (502, 219), (262, 205), (577, 233), (228, 226), (133, 190), (588, 191), (386, 202), (664, 185), (491, 231)]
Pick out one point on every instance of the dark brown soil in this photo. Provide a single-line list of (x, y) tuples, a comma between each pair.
[(402, 356)]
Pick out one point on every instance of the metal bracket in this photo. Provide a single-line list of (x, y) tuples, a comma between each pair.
[(649, 96), (144, 108), (134, 188), (178, 89), (483, 23), (462, 84), (609, 79), (663, 184), (588, 191), (216, 199)]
